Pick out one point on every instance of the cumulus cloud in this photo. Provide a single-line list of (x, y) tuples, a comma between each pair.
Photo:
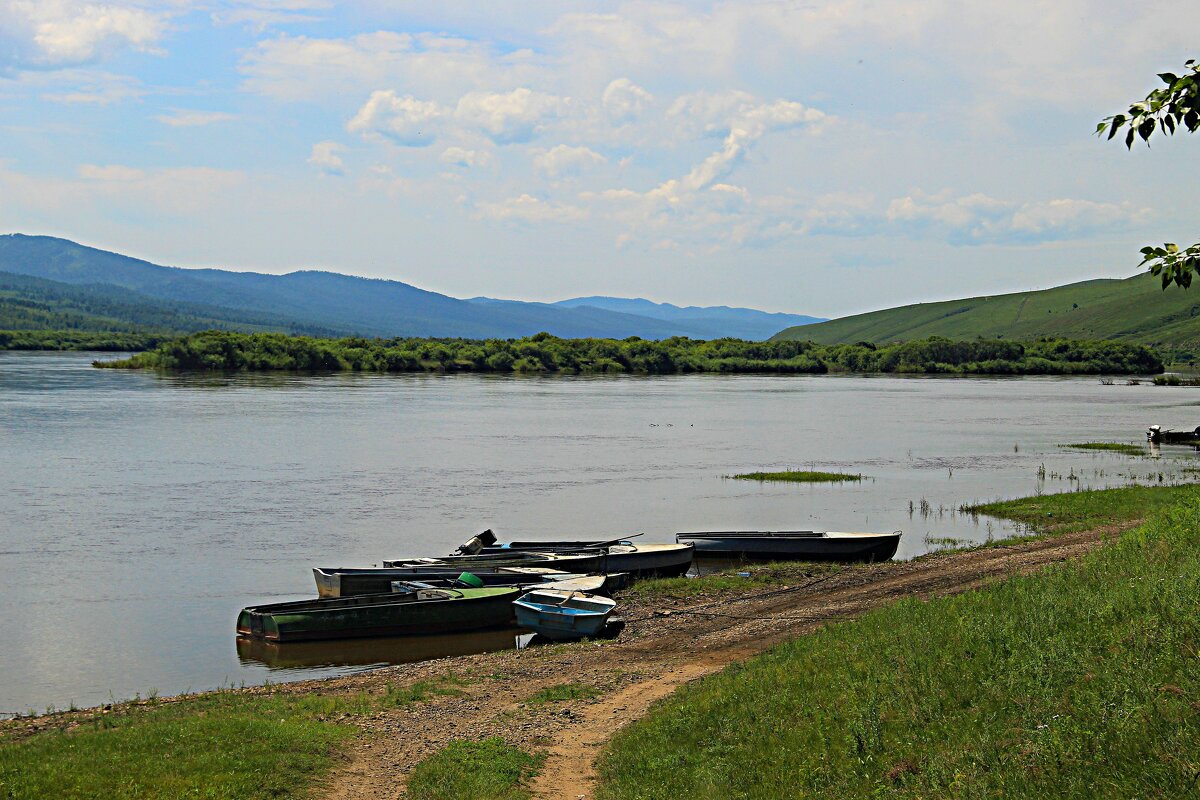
[(325, 158), (527, 208), (57, 33), (184, 118), (566, 160), (514, 116), (403, 120), (625, 101)]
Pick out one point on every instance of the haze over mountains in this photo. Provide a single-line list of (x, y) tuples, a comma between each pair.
[(53, 282)]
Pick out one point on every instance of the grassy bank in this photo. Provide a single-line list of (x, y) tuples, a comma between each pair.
[(543, 353), (1079, 681)]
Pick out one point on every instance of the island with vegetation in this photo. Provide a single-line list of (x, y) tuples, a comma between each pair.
[(543, 353)]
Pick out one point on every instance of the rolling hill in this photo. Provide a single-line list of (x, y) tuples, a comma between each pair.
[(1134, 309), (128, 292)]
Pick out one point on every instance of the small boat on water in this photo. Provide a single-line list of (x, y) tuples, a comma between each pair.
[(349, 582), (421, 611), (794, 545), (1156, 435), (563, 615), (621, 555)]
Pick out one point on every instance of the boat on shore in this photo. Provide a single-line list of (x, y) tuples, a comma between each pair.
[(351, 582), (590, 584), (563, 615), (1156, 435), (576, 561), (421, 611), (620, 555), (794, 545)]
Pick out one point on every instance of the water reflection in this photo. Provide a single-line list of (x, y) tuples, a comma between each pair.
[(372, 652)]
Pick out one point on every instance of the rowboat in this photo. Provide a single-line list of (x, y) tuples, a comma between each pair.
[(577, 561), (349, 582), (589, 584), (433, 610), (563, 615), (620, 555), (1157, 435), (797, 545)]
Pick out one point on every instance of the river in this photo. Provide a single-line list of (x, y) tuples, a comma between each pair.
[(139, 512)]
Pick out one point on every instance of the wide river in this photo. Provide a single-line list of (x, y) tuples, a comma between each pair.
[(139, 512)]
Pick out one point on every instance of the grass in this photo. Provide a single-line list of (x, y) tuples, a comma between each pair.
[(798, 476), (761, 576), (218, 745), (1078, 511), (1124, 448), (419, 692), (562, 692), (487, 769), (1076, 682)]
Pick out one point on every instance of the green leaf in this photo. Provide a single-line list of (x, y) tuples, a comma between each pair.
[(1146, 128), (1167, 78)]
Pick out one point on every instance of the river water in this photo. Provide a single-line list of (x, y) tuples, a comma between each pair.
[(140, 512)]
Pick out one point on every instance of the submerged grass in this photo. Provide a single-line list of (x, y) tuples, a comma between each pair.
[(1078, 682), (798, 476), (1124, 448), (487, 769), (218, 745)]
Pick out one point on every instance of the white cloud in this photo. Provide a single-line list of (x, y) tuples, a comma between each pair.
[(625, 101), (184, 118), (112, 172), (515, 116), (462, 157), (402, 120), (566, 160), (58, 33), (527, 208), (325, 157)]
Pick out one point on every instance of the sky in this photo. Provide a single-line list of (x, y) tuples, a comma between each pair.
[(822, 158)]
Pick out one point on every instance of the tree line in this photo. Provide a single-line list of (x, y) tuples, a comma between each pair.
[(544, 353)]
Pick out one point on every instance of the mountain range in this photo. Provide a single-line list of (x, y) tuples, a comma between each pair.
[(46, 282)]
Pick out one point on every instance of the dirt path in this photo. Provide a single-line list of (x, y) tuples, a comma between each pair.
[(654, 656)]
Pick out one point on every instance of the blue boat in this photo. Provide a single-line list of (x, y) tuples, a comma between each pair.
[(563, 615)]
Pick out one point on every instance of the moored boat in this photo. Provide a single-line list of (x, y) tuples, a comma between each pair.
[(794, 545), (603, 584), (432, 610), (621, 555), (576, 561), (350, 582), (1156, 435), (563, 615)]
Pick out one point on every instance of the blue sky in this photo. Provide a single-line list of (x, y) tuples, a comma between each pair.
[(821, 158)]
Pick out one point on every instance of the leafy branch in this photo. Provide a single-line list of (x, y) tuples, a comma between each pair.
[(1175, 105)]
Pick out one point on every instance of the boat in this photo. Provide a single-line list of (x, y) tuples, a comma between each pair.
[(797, 545), (1156, 435), (589, 584), (349, 581), (422, 611), (563, 615), (621, 555), (576, 561)]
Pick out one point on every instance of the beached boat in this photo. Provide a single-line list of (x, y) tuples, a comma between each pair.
[(577, 561), (563, 615), (589, 584), (621, 555), (350, 582), (1156, 435), (797, 545), (394, 614)]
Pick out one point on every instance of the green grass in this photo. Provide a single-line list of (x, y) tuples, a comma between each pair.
[(488, 769), (1076, 682), (762, 576), (1124, 448), (419, 692), (1133, 310), (798, 476), (216, 746), (564, 691), (1078, 511)]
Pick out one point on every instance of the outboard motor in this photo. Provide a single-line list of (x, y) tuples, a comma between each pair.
[(473, 545), (1153, 433)]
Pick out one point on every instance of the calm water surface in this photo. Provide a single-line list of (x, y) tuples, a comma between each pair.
[(139, 512)]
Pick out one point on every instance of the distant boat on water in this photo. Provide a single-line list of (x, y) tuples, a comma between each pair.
[(794, 545)]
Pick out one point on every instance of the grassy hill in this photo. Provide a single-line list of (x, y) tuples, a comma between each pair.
[(1134, 310)]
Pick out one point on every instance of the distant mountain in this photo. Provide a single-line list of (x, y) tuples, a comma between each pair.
[(1134, 309), (306, 301), (708, 321)]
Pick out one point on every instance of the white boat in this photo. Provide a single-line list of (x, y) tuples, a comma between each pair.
[(563, 615)]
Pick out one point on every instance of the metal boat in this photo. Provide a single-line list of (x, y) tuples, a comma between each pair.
[(1156, 435), (621, 555), (349, 582), (563, 615), (794, 545)]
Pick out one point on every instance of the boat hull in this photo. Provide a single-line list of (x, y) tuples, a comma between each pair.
[(379, 615), (802, 546), (563, 615), (637, 560), (346, 582)]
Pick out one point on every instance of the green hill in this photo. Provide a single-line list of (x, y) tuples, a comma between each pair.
[(1134, 310)]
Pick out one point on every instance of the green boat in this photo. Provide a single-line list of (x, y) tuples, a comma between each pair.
[(421, 611)]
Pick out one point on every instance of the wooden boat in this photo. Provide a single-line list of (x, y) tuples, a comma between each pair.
[(563, 615), (797, 545), (1156, 435), (621, 555), (417, 612), (350, 582), (588, 584), (576, 561)]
